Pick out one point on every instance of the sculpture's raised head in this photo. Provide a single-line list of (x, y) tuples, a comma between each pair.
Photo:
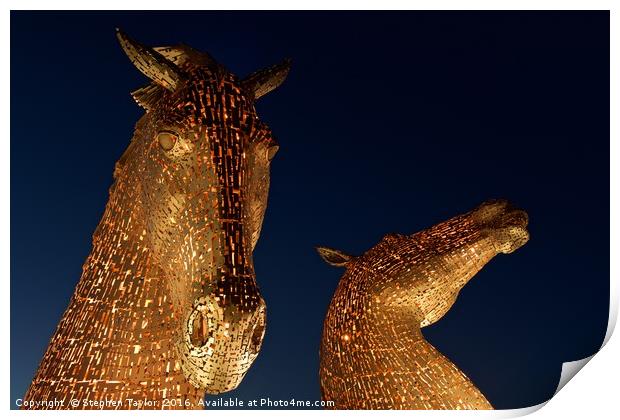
[(373, 353), (421, 274), (202, 158)]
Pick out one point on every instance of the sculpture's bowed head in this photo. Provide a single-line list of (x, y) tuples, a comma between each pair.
[(202, 157)]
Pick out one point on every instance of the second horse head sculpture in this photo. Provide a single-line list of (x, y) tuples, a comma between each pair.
[(373, 353)]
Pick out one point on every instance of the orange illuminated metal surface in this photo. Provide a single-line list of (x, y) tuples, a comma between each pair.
[(373, 354), (168, 306)]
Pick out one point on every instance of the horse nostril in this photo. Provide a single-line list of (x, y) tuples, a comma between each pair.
[(201, 324), (200, 330), (258, 332), (257, 336)]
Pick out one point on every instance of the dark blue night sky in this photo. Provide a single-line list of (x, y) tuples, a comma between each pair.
[(388, 122)]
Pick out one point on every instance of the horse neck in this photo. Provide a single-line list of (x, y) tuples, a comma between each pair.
[(115, 340), (384, 362), (435, 381)]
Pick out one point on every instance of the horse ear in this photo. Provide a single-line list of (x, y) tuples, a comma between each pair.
[(148, 96), (264, 81), (151, 62), (333, 256)]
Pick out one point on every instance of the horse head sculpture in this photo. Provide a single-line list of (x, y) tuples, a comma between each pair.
[(373, 354), (204, 159), (176, 299)]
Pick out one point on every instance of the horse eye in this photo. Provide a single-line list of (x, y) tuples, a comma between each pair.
[(167, 139)]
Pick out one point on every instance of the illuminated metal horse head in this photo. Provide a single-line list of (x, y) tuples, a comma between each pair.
[(168, 307), (373, 352), (204, 160)]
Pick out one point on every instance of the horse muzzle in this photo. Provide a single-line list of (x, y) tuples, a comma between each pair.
[(219, 344)]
